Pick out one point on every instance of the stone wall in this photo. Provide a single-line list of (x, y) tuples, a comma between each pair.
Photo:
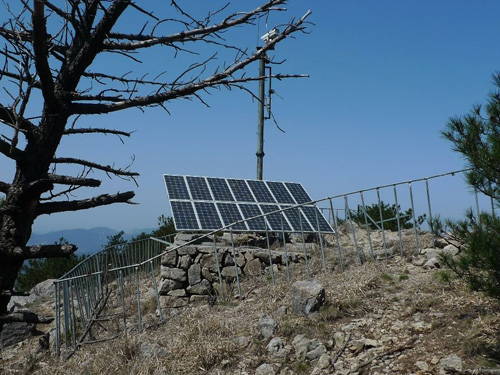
[(189, 273)]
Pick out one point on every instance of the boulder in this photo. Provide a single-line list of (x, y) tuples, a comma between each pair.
[(194, 274), (169, 259), (177, 274), (209, 261), (188, 250), (168, 285), (253, 268), (266, 326), (265, 369), (204, 287), (453, 362), (307, 297), (185, 262), (228, 272), (182, 238), (15, 332)]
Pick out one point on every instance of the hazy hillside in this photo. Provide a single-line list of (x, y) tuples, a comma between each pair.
[(88, 240)]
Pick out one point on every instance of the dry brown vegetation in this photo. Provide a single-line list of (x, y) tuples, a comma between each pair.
[(392, 301)]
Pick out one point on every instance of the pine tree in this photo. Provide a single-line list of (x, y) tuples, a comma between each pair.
[(477, 137)]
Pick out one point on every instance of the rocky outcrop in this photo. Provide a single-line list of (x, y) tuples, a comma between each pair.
[(307, 297)]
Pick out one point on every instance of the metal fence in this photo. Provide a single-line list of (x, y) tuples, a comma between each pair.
[(101, 297)]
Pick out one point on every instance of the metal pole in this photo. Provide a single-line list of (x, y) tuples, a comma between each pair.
[(122, 297), (366, 223), (155, 286), (138, 300), (382, 221), (269, 253), (353, 230), (414, 218), (284, 248), (398, 221), (304, 243), (218, 267), (336, 227), (235, 264), (320, 239), (260, 123), (58, 320)]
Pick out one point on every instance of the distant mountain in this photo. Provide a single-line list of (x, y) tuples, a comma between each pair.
[(88, 241)]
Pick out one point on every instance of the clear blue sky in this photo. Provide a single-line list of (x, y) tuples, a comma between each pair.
[(384, 78)]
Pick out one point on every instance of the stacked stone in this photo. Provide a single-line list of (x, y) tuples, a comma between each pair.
[(189, 273)]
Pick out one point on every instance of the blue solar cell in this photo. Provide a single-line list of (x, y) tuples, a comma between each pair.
[(280, 193), (297, 220), (208, 216), (199, 188), (176, 187), (184, 216), (231, 214), (241, 191), (311, 213), (276, 221), (298, 192), (220, 190), (251, 210), (261, 191)]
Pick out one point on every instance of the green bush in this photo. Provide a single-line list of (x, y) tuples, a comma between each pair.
[(389, 213)]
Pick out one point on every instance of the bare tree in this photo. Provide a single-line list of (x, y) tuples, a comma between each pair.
[(51, 79)]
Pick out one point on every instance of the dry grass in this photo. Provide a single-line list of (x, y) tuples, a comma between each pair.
[(223, 339)]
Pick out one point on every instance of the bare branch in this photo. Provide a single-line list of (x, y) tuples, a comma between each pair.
[(97, 130), (101, 200), (41, 56), (105, 168), (68, 180), (45, 251)]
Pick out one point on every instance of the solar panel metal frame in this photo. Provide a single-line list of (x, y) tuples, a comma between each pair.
[(281, 192)]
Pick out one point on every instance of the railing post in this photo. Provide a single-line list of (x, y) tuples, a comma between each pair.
[(235, 264), (382, 221), (284, 247), (414, 218), (368, 231), (336, 227), (398, 220)]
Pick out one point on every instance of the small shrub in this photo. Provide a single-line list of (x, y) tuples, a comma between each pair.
[(403, 277)]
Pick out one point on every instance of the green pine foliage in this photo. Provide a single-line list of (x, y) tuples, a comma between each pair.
[(35, 271), (389, 216), (477, 137)]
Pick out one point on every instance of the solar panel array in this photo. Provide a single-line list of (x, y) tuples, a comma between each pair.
[(208, 203)]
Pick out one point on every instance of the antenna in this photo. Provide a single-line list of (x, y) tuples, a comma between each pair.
[(267, 37)]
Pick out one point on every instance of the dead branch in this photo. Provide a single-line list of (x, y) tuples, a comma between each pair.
[(43, 251), (97, 130), (104, 168), (68, 180), (76, 205)]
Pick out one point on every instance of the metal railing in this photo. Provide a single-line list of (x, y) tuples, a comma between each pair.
[(102, 295)]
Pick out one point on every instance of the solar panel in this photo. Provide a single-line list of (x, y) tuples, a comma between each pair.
[(176, 187), (241, 191), (208, 216), (220, 190), (184, 216), (231, 214), (199, 188), (311, 212), (261, 192), (280, 192), (275, 220), (251, 210), (298, 192), (209, 203), (297, 220)]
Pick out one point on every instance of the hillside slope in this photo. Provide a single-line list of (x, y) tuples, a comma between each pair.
[(385, 317)]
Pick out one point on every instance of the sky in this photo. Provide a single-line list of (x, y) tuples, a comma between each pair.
[(385, 77)]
